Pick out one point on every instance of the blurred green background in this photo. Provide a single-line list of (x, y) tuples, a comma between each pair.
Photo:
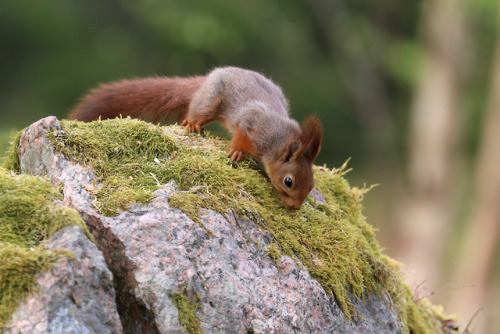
[(52, 52), (383, 76)]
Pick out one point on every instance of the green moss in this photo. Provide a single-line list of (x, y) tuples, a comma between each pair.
[(11, 159), (19, 267), (28, 215), (273, 251), (332, 239), (187, 316), (422, 316), (122, 154)]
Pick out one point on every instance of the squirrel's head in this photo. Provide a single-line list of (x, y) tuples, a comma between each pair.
[(291, 174)]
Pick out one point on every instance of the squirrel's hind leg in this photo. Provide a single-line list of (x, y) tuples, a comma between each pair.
[(202, 110)]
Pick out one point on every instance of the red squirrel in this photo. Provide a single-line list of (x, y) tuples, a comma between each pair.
[(248, 104)]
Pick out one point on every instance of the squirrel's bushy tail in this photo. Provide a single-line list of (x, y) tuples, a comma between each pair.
[(154, 99)]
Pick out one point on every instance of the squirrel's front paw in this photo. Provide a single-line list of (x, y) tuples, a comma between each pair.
[(236, 155), (192, 127)]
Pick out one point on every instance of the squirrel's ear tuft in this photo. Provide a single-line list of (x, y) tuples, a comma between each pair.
[(289, 150), (311, 136)]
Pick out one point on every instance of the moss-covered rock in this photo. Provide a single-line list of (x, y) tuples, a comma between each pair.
[(332, 239), (30, 212), (154, 252)]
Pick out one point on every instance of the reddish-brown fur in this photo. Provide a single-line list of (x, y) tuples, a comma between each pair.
[(152, 99), (241, 145), (251, 106)]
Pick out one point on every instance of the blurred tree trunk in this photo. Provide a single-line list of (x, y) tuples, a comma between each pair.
[(434, 163), (481, 235)]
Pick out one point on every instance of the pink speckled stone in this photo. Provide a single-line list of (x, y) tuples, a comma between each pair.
[(75, 296)]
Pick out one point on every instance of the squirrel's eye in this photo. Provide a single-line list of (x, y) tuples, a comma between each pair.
[(288, 182)]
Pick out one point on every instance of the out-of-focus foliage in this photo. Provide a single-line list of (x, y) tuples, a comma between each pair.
[(325, 55)]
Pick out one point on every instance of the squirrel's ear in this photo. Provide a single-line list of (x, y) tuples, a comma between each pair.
[(291, 147), (311, 136)]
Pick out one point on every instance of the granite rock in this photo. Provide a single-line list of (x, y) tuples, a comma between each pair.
[(155, 250), (75, 296)]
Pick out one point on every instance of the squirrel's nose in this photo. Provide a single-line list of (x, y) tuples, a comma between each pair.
[(295, 206), (292, 203)]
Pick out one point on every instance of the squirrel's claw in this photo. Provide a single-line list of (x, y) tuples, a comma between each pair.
[(236, 155), (192, 127)]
